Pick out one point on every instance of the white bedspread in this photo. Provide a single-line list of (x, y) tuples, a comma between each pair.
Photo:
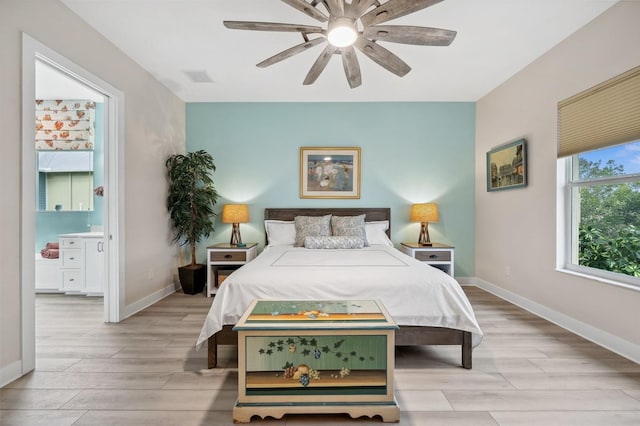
[(414, 293)]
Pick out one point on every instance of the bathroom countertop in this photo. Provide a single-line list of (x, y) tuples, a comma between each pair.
[(83, 235)]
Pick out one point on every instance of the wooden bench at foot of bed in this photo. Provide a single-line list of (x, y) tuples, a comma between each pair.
[(405, 336)]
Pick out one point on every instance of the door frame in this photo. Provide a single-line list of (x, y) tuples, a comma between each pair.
[(114, 288)]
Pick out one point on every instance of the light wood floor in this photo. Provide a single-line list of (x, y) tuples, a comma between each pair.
[(145, 371)]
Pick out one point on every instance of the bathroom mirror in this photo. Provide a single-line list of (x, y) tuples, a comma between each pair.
[(65, 180)]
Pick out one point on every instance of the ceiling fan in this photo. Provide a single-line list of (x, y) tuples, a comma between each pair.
[(353, 23)]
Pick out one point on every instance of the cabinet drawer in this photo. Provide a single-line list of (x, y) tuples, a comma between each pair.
[(71, 259), (434, 256), (229, 256), (72, 280), (70, 243)]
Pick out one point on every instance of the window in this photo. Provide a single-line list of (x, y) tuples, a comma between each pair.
[(604, 201), (599, 134)]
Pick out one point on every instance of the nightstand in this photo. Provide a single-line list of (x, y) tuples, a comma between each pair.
[(223, 259), (437, 255)]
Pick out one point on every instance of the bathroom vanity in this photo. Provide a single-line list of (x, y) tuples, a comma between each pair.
[(79, 268), (82, 263)]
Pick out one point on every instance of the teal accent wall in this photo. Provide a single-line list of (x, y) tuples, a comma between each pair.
[(411, 152), (49, 224)]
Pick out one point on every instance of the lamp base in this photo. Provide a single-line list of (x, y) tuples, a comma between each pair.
[(423, 238), (236, 239)]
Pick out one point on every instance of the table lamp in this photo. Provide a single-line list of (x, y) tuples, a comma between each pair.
[(235, 214), (424, 213)]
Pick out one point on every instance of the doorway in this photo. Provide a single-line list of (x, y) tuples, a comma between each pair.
[(70, 206), (37, 54)]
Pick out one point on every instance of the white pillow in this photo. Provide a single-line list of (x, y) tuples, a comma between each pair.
[(376, 232), (280, 232)]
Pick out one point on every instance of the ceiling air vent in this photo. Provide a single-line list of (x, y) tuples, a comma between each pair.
[(198, 76)]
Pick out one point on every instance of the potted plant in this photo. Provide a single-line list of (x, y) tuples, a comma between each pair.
[(190, 202)]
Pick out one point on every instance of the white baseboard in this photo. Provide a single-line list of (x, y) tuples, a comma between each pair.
[(10, 373), (147, 301), (605, 339), (466, 280)]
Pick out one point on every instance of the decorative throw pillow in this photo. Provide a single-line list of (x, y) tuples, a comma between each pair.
[(315, 226), (349, 226), (340, 242), (280, 232)]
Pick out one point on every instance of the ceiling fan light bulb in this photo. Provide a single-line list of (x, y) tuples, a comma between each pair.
[(342, 32)]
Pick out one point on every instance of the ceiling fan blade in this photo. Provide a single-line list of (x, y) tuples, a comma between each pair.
[(382, 57), (351, 66), (319, 65), (308, 9), (272, 26), (423, 36), (336, 7), (394, 9), (358, 7), (291, 52)]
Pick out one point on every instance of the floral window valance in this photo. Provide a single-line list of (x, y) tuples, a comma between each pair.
[(65, 124)]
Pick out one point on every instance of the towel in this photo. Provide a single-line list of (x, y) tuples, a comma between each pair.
[(50, 253), (54, 245)]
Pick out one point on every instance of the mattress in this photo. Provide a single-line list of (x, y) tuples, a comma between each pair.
[(414, 293)]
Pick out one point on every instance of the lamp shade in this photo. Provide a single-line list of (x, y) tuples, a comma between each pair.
[(424, 212), (235, 213)]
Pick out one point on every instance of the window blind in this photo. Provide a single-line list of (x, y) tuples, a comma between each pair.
[(605, 115), (64, 124)]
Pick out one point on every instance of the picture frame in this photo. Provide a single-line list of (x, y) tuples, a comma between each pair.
[(507, 166), (329, 172)]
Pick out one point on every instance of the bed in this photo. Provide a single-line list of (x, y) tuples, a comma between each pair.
[(428, 305)]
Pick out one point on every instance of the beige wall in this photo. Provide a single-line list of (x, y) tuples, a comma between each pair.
[(516, 229), (154, 128)]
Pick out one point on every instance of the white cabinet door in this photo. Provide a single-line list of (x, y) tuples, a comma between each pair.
[(94, 265)]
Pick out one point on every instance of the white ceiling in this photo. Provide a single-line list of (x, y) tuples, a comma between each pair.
[(496, 39)]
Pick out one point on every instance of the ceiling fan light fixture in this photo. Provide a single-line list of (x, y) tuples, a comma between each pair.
[(342, 32), (352, 24)]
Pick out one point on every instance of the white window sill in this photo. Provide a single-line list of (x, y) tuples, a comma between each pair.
[(603, 280)]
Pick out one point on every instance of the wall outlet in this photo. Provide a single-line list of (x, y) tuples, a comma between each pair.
[(507, 270), (151, 274)]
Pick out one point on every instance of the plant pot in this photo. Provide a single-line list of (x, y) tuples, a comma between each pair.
[(192, 278)]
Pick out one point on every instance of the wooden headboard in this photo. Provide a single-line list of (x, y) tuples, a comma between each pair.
[(372, 213)]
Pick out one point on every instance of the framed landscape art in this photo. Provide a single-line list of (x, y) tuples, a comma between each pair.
[(507, 166), (329, 172)]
